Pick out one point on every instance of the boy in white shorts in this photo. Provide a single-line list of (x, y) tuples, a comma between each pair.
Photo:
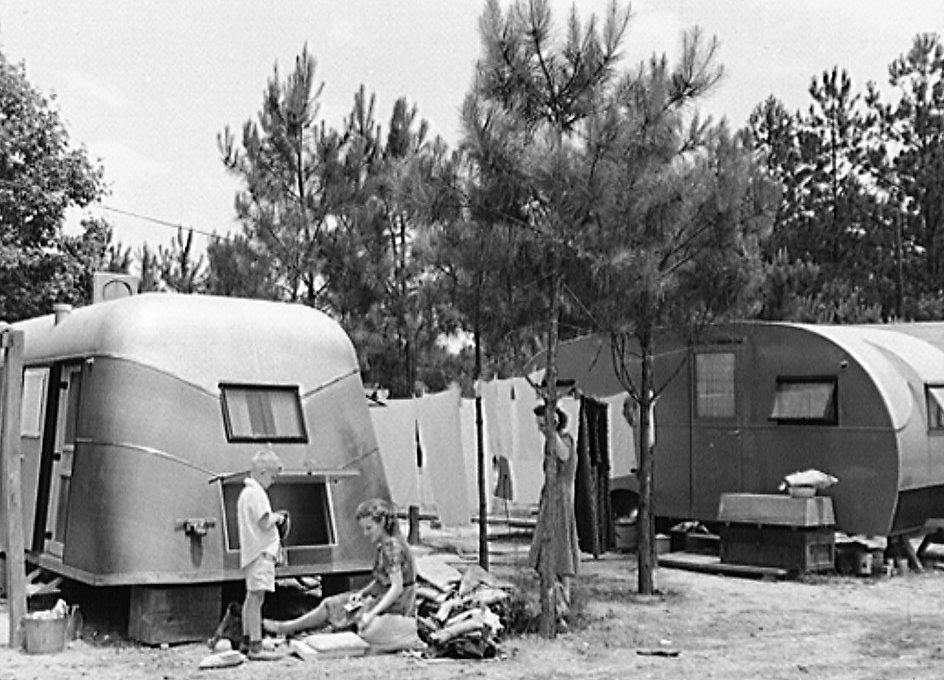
[(259, 547)]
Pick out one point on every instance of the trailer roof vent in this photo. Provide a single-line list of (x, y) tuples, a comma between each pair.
[(111, 286), (60, 310)]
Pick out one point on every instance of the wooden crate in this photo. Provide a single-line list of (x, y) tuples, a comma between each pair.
[(770, 509), (170, 614), (796, 549)]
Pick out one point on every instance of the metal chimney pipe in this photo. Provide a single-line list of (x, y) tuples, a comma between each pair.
[(60, 311)]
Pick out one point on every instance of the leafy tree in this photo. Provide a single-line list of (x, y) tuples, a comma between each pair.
[(91, 251), (41, 175)]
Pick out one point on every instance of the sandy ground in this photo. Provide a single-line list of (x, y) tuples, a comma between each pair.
[(720, 626)]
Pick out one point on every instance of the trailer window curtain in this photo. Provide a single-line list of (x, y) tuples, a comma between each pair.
[(805, 400), (935, 399), (714, 385), (263, 414)]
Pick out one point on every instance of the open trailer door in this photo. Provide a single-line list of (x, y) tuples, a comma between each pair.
[(57, 514)]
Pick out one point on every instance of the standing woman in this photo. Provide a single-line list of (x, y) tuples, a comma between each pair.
[(564, 457), (391, 591)]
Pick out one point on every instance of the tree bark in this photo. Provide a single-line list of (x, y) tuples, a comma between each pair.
[(480, 439), (645, 522), (552, 534)]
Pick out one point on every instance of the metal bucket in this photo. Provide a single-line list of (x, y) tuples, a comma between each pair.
[(44, 635)]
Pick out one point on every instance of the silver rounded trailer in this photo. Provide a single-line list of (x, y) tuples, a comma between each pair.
[(140, 416), (752, 402)]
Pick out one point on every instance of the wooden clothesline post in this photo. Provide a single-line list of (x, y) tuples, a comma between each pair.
[(11, 344)]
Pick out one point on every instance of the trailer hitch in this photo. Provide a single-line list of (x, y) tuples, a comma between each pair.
[(195, 527)]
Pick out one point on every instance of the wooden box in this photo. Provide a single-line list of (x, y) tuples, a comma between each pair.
[(795, 549), (170, 614), (783, 510)]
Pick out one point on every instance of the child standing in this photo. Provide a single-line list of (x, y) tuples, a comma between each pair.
[(259, 547)]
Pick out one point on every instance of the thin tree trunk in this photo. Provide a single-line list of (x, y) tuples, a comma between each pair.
[(480, 437), (552, 534), (645, 524)]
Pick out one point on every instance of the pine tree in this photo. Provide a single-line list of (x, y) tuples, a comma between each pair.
[(285, 202), (545, 90)]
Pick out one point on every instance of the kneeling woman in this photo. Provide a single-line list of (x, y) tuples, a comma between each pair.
[(391, 591)]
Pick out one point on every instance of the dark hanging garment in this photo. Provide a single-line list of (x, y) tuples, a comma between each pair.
[(503, 488), (419, 446), (595, 530)]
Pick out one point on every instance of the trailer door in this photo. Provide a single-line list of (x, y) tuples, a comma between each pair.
[(717, 423), (57, 516)]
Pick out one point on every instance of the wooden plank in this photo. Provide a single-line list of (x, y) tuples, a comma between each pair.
[(52, 587), (517, 522), (937, 536), (907, 551), (709, 564), (10, 397), (424, 516)]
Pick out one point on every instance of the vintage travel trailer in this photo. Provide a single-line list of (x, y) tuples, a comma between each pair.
[(753, 402), (139, 419)]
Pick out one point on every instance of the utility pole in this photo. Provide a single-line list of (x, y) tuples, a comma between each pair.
[(11, 344)]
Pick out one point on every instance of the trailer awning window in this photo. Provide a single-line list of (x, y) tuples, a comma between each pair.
[(805, 400), (935, 400), (306, 498), (714, 385), (256, 413)]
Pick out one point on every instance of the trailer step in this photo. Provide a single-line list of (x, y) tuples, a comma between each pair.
[(710, 564)]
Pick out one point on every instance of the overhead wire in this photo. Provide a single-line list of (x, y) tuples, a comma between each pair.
[(164, 223), (121, 211)]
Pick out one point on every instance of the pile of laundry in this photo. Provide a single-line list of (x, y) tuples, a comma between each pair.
[(461, 614)]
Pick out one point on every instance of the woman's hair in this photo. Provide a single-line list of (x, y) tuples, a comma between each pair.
[(541, 409), (381, 512)]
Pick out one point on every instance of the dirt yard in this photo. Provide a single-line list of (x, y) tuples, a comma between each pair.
[(699, 626)]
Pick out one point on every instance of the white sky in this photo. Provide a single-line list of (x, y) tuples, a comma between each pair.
[(146, 86)]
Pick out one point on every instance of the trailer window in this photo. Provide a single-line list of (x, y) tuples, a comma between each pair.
[(714, 385), (805, 400), (254, 413), (935, 399), (33, 400)]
